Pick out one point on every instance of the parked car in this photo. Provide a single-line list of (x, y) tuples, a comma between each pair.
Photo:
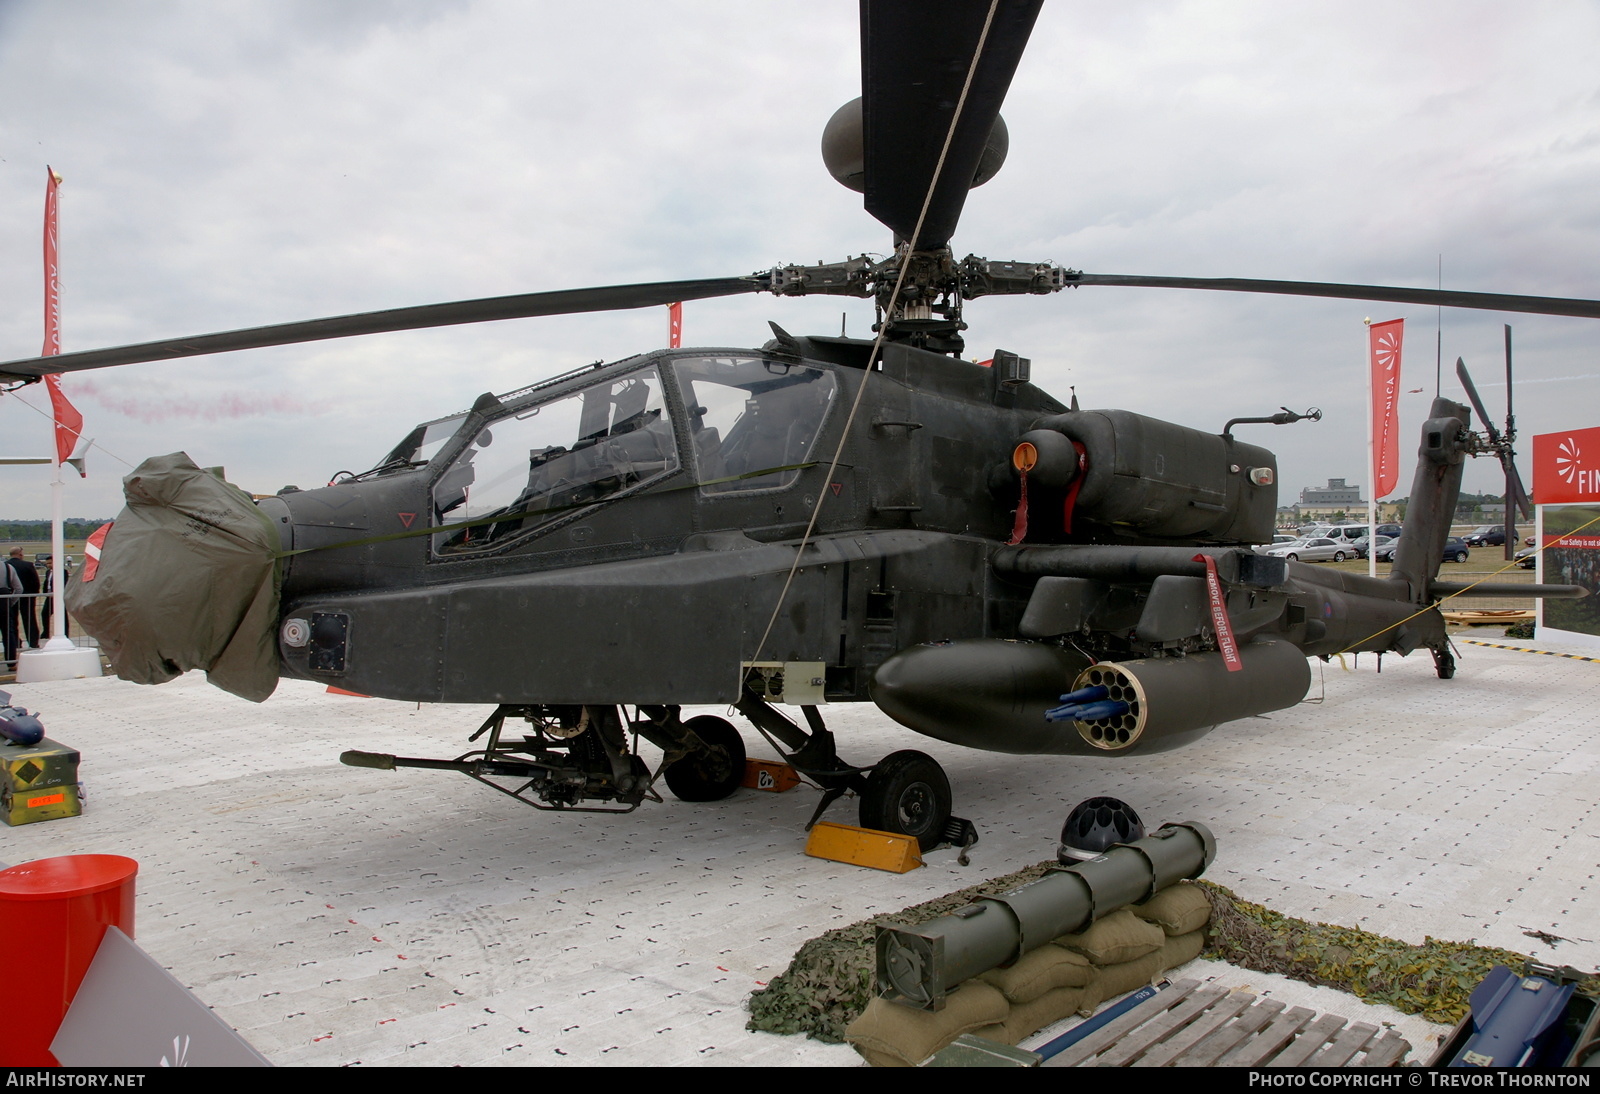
[(1455, 550), (1277, 541), (1527, 558), (1390, 530), (1487, 536), (1311, 549), (1362, 546)]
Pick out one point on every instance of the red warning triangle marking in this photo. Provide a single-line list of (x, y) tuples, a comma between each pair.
[(836, 487), (407, 518)]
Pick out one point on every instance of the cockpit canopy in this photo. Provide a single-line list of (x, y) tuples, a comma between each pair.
[(742, 424), (752, 421)]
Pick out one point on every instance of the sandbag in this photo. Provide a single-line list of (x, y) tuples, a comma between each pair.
[(1026, 1019), (1182, 949), (1118, 938), (1045, 969), (1114, 980), (187, 579), (1177, 909), (889, 1035)]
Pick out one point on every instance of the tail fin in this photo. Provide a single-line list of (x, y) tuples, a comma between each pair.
[(1440, 463)]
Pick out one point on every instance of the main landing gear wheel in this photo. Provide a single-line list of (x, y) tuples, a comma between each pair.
[(907, 792), (1444, 662), (713, 775)]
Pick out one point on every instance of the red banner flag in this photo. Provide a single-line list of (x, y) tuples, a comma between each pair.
[(675, 325), (69, 423), (1385, 340)]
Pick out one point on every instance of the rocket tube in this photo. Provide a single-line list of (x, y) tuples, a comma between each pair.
[(1167, 696), (918, 965)]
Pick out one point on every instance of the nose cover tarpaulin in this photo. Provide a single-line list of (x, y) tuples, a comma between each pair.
[(187, 579)]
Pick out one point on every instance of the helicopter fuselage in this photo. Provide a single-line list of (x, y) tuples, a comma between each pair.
[(644, 549), (628, 534)]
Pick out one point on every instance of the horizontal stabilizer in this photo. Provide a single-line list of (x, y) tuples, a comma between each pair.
[(1441, 589)]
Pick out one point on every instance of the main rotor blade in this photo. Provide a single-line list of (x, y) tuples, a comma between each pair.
[(914, 61), (1449, 298), (456, 312)]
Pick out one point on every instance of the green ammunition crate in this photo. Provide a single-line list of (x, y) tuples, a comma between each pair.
[(39, 804), (38, 782)]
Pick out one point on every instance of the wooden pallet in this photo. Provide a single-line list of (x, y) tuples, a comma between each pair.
[(1192, 1026), (1488, 617)]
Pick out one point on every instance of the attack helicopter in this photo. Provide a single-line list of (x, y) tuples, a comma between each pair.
[(819, 520)]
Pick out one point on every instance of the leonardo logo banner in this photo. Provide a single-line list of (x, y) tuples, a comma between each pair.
[(1566, 467), (1386, 340)]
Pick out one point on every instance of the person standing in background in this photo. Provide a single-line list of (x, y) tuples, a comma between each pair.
[(10, 589), (23, 607), (46, 616)]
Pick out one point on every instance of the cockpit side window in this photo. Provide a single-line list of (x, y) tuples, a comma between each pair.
[(540, 463), (752, 420)]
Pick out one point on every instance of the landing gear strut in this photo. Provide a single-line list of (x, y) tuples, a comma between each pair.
[(905, 792), (908, 792), (713, 771), (567, 756), (1444, 662)]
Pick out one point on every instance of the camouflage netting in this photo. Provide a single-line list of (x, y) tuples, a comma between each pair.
[(830, 981), (1433, 979)]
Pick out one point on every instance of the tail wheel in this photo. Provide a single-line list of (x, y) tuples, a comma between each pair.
[(712, 774), (908, 792), (1444, 662)]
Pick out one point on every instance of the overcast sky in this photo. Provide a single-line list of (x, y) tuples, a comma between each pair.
[(234, 164)]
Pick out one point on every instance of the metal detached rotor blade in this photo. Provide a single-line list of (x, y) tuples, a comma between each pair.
[(1449, 298), (526, 305)]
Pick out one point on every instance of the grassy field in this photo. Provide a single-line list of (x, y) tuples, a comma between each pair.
[(33, 548)]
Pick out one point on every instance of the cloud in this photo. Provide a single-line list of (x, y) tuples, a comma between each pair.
[(232, 165)]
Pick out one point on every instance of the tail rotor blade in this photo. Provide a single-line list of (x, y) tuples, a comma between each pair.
[(1515, 490), (1477, 403)]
